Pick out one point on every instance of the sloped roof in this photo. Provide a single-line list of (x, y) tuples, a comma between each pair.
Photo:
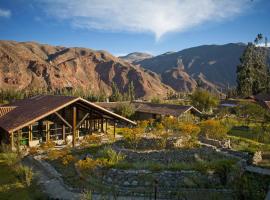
[(153, 108), (33, 109), (163, 109)]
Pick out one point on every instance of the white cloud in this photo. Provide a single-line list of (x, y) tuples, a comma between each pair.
[(155, 16), (5, 13)]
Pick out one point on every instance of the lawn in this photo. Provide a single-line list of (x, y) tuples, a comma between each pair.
[(11, 187)]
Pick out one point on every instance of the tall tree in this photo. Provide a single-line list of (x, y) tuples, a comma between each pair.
[(116, 95), (131, 91), (252, 72)]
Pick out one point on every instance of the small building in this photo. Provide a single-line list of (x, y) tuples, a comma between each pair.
[(53, 118), (148, 110)]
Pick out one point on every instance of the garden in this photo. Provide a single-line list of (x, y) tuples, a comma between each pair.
[(165, 156)]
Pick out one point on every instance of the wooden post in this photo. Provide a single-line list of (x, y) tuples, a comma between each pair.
[(106, 127), (30, 134), (102, 126), (64, 132), (12, 140), (114, 129), (47, 131), (74, 124)]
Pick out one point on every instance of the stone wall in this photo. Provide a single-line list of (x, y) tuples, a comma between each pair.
[(171, 156), (145, 180)]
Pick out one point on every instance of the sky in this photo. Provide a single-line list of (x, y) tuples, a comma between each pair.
[(124, 26)]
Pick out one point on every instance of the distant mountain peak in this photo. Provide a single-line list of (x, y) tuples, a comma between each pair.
[(135, 57)]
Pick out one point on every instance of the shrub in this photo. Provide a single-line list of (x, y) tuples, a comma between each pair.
[(48, 145), (203, 100), (90, 140), (213, 129), (87, 195), (170, 123), (25, 174), (11, 159), (188, 129), (88, 163), (55, 154), (68, 159), (133, 135), (111, 155), (33, 150)]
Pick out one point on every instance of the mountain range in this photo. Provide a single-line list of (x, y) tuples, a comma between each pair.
[(27, 65)]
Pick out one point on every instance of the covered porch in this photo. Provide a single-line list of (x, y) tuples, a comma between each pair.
[(66, 123)]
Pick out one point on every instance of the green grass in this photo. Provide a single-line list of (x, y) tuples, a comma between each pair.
[(11, 186)]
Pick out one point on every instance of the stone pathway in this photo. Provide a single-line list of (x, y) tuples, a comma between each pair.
[(52, 185)]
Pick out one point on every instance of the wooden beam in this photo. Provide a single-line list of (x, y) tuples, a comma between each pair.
[(62, 119), (82, 120), (74, 125)]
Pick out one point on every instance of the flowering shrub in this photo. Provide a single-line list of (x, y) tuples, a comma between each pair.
[(55, 154), (213, 129), (68, 159), (112, 157), (91, 139), (88, 163), (48, 145), (133, 135)]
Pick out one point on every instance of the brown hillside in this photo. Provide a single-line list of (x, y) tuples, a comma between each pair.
[(27, 65)]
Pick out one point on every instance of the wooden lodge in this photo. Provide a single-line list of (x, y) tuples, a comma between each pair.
[(148, 110), (53, 118)]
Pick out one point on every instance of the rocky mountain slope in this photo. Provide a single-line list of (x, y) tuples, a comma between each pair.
[(26, 65), (136, 57), (211, 66)]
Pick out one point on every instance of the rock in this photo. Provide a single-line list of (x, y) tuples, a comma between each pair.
[(109, 180), (134, 183), (126, 183)]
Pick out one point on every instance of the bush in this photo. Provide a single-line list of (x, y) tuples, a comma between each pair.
[(133, 135), (91, 140), (111, 155), (33, 150), (68, 159), (125, 109), (11, 159), (88, 163), (213, 129), (203, 100), (55, 154), (87, 195), (25, 174)]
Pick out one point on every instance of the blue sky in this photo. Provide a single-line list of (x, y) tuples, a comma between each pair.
[(121, 27)]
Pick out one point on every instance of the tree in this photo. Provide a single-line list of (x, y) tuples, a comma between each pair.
[(131, 91), (125, 109), (116, 95), (203, 100), (252, 72), (250, 112)]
